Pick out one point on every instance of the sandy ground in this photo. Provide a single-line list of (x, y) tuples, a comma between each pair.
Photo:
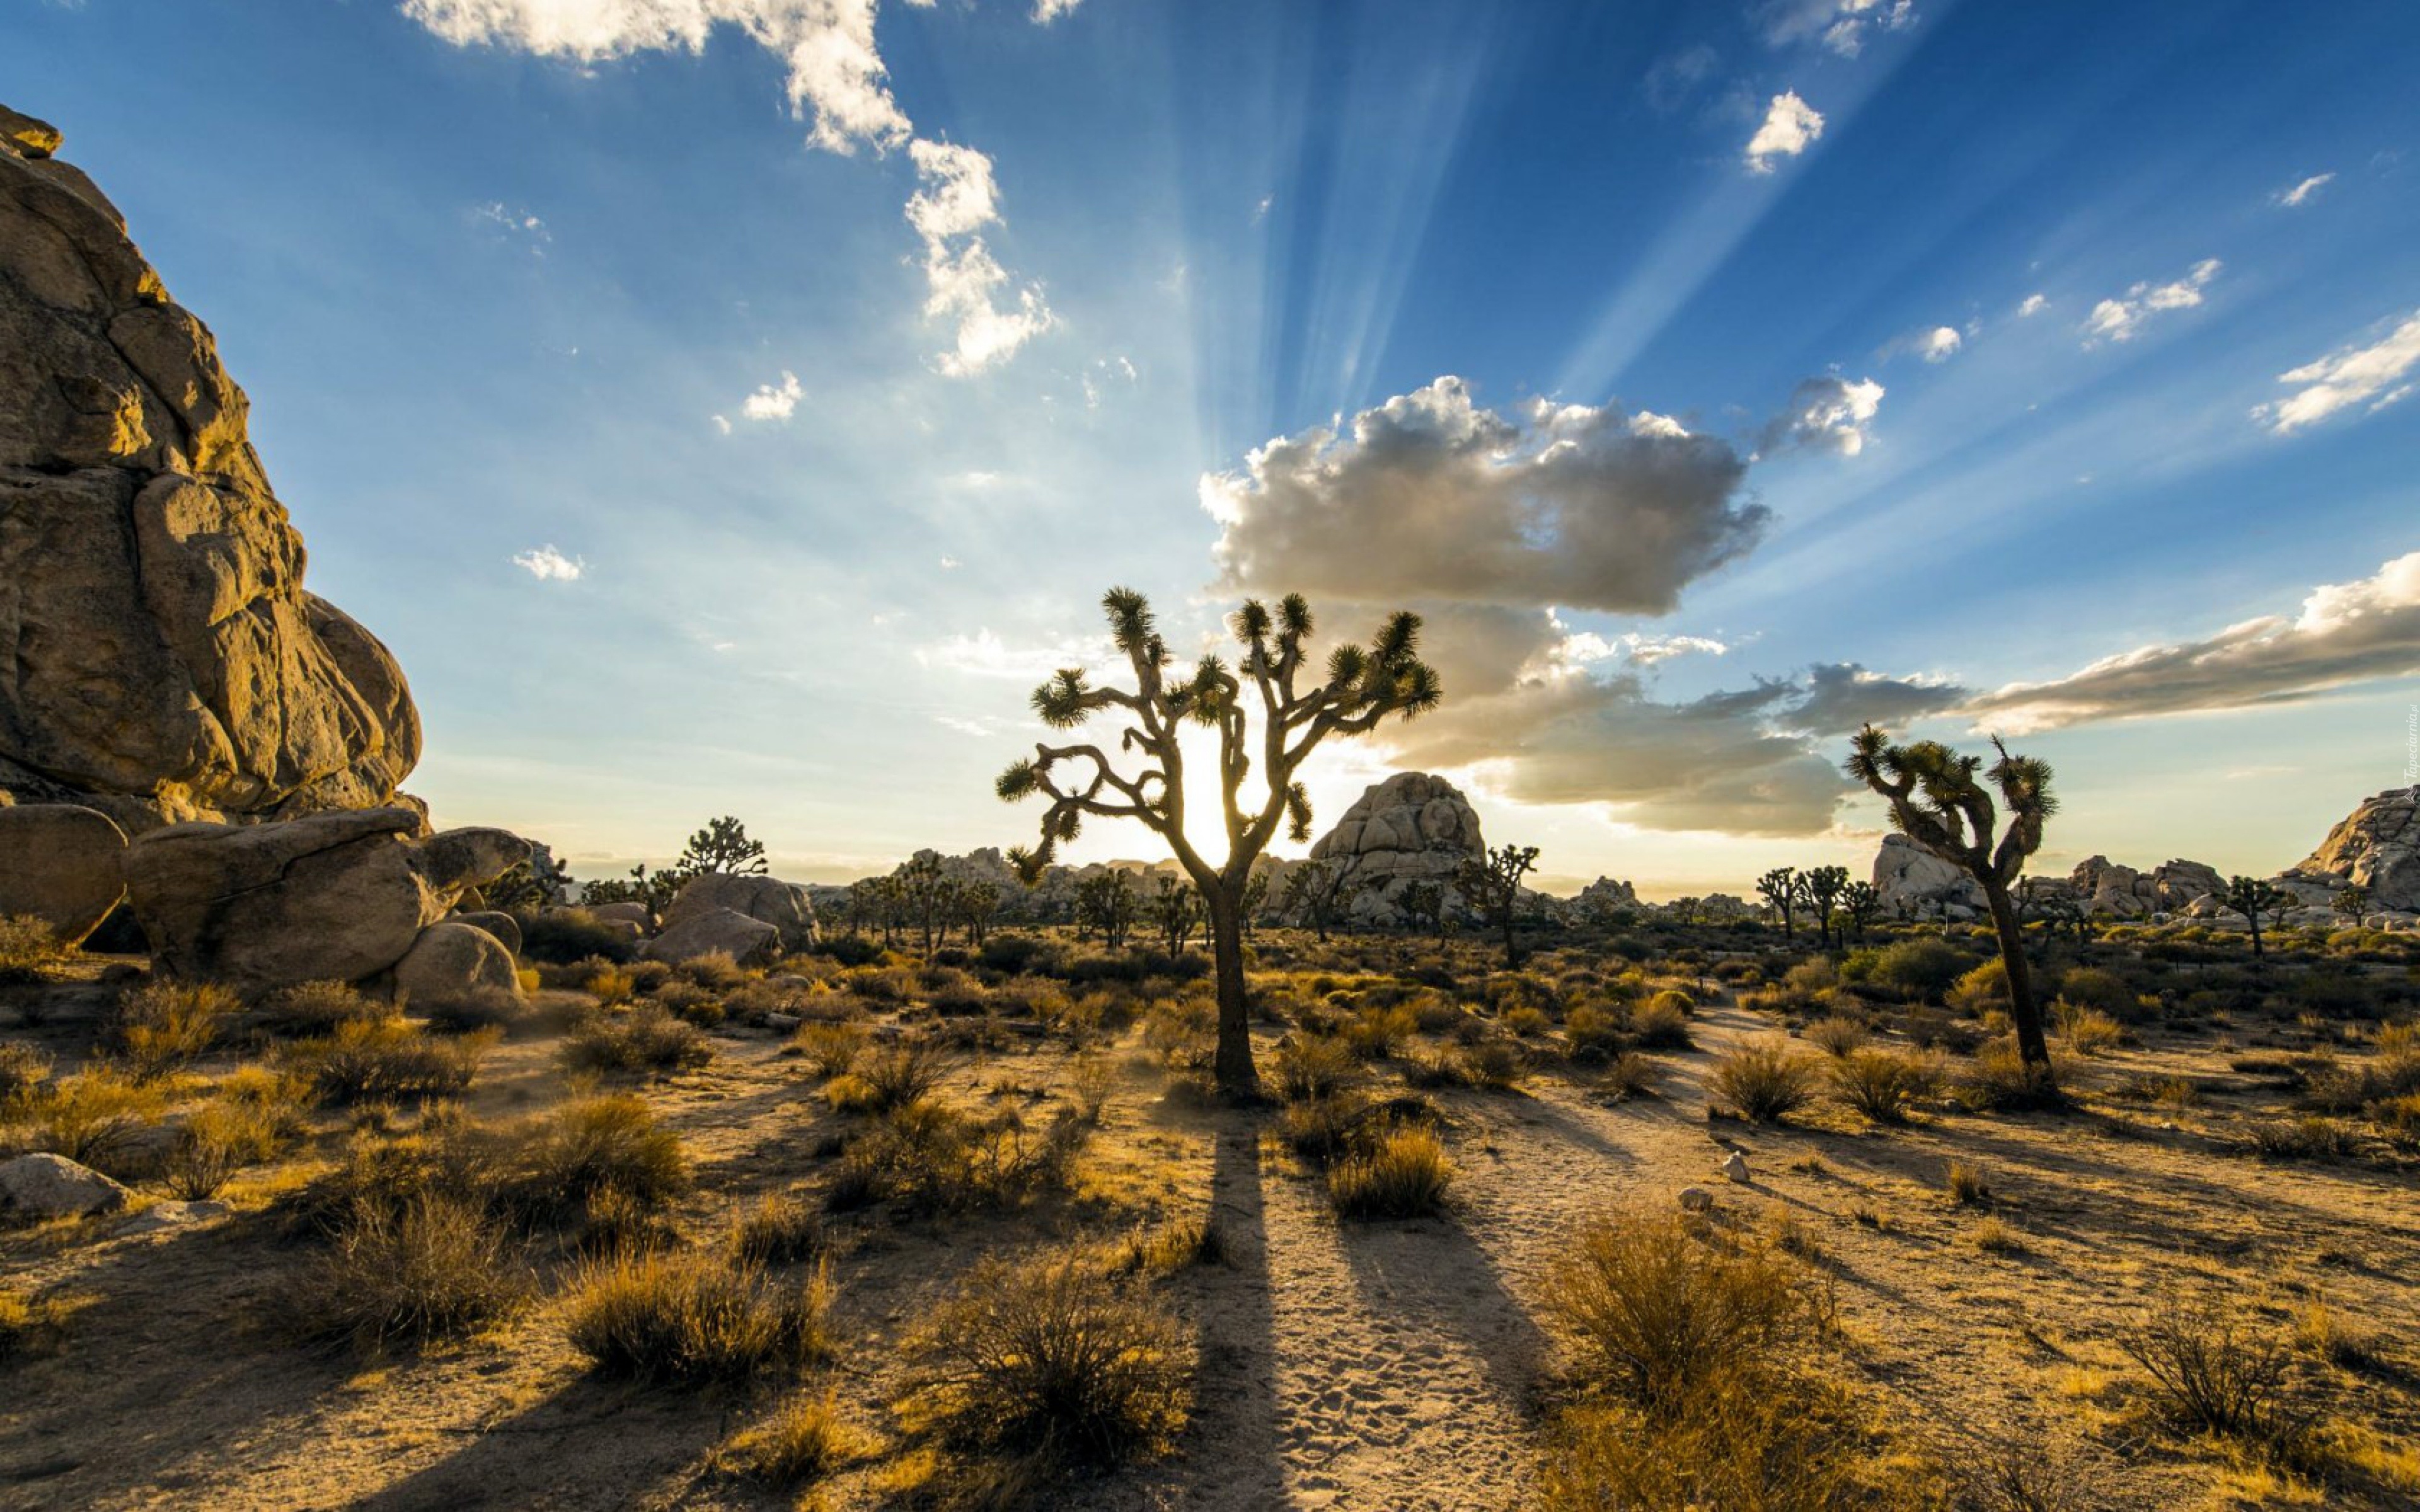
[(1364, 1365)]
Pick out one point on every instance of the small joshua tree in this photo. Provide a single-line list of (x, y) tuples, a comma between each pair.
[(1863, 904), (977, 901), (1937, 801), (2352, 901), (2253, 897), (1820, 888), (1176, 908), (1107, 905), (1424, 908), (1359, 686), (1318, 893), (1256, 898), (1778, 888), (1492, 886), (723, 846)]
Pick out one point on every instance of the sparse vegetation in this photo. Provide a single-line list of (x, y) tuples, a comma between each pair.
[(693, 1317), (1763, 1083)]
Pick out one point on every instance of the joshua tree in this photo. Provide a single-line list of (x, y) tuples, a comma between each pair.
[(1358, 688), (1317, 893), (1778, 888), (2253, 897), (723, 846), (977, 901), (1106, 903), (1937, 801), (1863, 904), (1494, 885), (929, 894), (2352, 901), (1424, 908), (1820, 888), (656, 889), (1256, 898), (1177, 910)]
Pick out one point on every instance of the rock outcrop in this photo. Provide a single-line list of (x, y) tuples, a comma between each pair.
[(2377, 846), (2103, 886), (159, 659), (331, 897), (786, 906), (60, 863), (1410, 829), (1915, 883), (451, 962), (750, 942), (36, 1187)]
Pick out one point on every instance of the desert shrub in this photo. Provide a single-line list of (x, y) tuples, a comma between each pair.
[(2213, 1370), (29, 1324), (715, 971), (1998, 1079), (2308, 1137), (1313, 1066), (2097, 987), (1675, 1000), (1659, 1024), (645, 1039), (23, 1069), (1526, 1021), (1654, 1313), (1596, 1033), (95, 1117), (1838, 1035), (898, 1074), (1983, 989), (1374, 1032), (311, 1009), (1090, 1079), (1920, 970), (932, 1157), (1966, 1184), (564, 935), (29, 948), (2088, 1031), (1403, 1173), (830, 1050), (610, 986), (162, 1025), (1170, 1248), (1763, 1083), (1629, 1075), (1050, 1358), (1497, 1064), (449, 1158), (1322, 1129), (694, 1316), (251, 1121), (1770, 1441), (598, 1149), (435, 1265), (779, 1230), (386, 1060), (474, 1009), (804, 1439), (1880, 1084)]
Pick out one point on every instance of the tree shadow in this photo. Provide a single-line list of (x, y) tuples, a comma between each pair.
[(1430, 1275), (584, 1444)]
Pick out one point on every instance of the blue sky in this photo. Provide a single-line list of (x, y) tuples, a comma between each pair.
[(846, 356)]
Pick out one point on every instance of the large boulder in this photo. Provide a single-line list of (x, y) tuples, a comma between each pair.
[(750, 942), (34, 1188), (159, 659), (2376, 846), (59, 863), (786, 906), (504, 926), (339, 896), (1912, 883), (633, 913), (451, 961), (1413, 827)]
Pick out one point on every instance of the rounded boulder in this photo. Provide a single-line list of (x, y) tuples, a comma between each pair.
[(61, 863), (451, 961)]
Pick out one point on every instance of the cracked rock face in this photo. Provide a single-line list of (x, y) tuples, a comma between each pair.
[(1413, 827), (2377, 846), (159, 659)]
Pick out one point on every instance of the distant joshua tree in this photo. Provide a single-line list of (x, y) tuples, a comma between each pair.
[(723, 846), (977, 902), (1493, 885), (1863, 904), (1820, 888), (1176, 908), (1937, 801), (2352, 901), (1106, 904), (1256, 899), (1358, 688), (1424, 908), (2253, 897), (1318, 894), (1778, 888)]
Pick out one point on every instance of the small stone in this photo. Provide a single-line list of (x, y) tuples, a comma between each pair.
[(53, 1186), (1695, 1200), (1736, 1167), (165, 1215), (781, 1023)]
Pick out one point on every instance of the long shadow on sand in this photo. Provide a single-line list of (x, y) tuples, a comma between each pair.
[(1231, 1454)]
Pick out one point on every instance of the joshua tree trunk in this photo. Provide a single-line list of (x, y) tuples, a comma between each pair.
[(2032, 1046), (1233, 1065)]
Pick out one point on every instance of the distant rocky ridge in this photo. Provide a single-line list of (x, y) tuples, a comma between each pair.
[(159, 659)]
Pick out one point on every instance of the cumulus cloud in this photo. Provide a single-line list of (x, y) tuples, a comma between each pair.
[(985, 653), (838, 83), (2355, 376), (1791, 126), (2299, 195), (958, 198), (2120, 320), (1843, 697), (1938, 345), (1430, 496), (772, 401), (1842, 26), (546, 564), (2346, 634), (2034, 304), (1825, 415)]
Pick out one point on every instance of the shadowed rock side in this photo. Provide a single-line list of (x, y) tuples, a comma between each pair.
[(160, 661), (1413, 827)]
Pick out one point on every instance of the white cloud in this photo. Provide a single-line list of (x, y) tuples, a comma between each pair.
[(2347, 633), (1261, 210), (1938, 345), (516, 226), (949, 563), (1826, 415), (957, 200), (1842, 26), (2356, 375), (1430, 496), (984, 653), (2299, 195), (722, 424), (772, 401), (2121, 319), (546, 564), (2034, 304), (1046, 12), (1791, 126)]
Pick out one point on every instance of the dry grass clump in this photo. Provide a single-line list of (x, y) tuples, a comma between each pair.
[(829, 1049), (1495, 1064), (161, 1026), (782, 1229), (2214, 1371), (1630, 1075), (1654, 1312), (1999, 1080), (645, 1039), (257, 1115), (1050, 1359), (1311, 1066), (692, 1317), (312, 1009), (2309, 1137), (804, 1439), (930, 1158), (1171, 1247), (593, 1155), (1839, 1035), (29, 948), (29, 1325), (387, 1060), (889, 1079), (95, 1117), (434, 1266), (1400, 1172), (1662, 1023), (1966, 1184), (24, 1069), (1880, 1084), (1763, 1083), (2088, 1031)]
